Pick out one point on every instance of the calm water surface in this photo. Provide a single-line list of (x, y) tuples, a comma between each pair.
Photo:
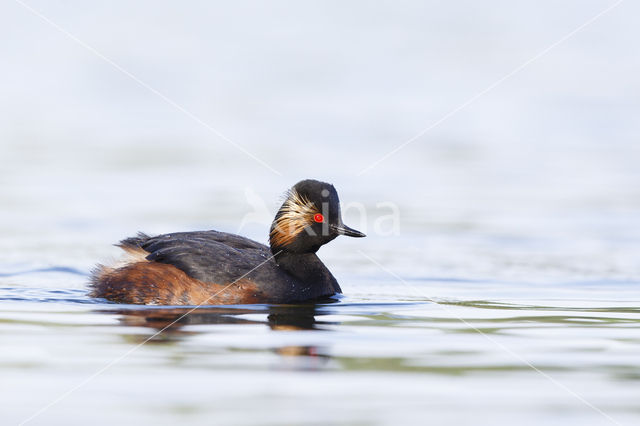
[(384, 354)]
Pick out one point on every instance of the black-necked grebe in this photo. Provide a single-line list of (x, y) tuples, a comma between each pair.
[(217, 268)]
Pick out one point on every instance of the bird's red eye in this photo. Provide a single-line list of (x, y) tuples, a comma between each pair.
[(318, 218)]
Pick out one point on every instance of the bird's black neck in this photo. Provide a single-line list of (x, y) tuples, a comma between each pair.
[(309, 273)]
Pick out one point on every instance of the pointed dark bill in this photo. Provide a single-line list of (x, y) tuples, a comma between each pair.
[(345, 230)]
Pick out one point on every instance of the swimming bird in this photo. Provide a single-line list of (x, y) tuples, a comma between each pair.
[(218, 268)]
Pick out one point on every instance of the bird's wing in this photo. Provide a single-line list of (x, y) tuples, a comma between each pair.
[(209, 256)]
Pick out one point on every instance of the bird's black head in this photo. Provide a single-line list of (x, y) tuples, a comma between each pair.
[(308, 218)]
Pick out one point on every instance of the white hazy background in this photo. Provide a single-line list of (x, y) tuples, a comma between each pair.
[(520, 211), (537, 179)]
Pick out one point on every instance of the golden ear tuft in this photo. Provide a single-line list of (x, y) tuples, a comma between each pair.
[(296, 213)]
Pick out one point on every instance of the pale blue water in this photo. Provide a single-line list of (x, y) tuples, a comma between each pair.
[(506, 288)]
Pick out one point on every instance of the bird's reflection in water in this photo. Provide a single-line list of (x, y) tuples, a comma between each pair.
[(173, 324), (288, 318)]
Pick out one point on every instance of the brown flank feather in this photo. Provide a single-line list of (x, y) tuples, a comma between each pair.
[(153, 283)]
